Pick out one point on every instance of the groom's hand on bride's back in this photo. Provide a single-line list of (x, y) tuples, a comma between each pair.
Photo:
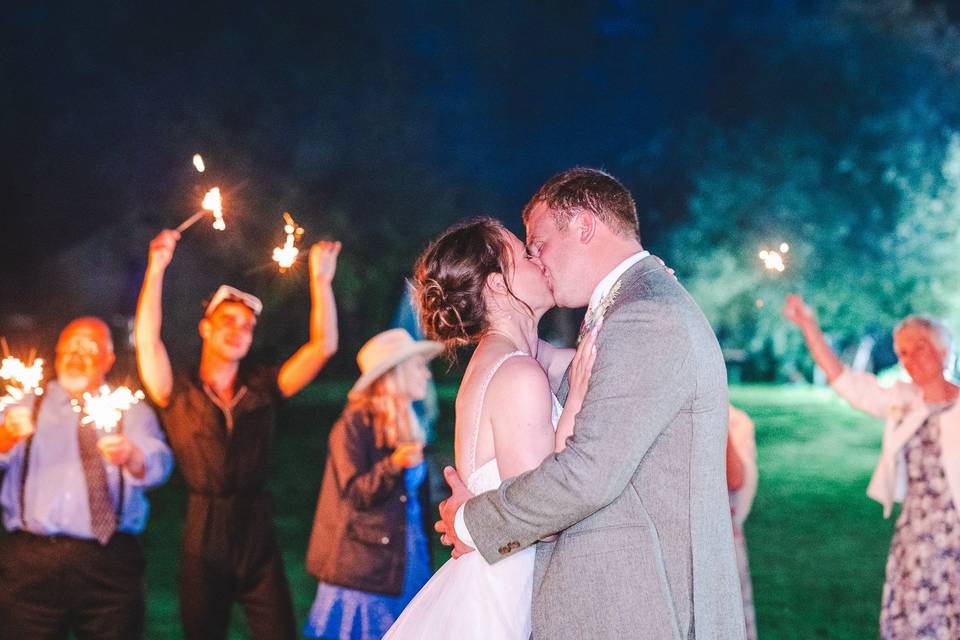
[(448, 513)]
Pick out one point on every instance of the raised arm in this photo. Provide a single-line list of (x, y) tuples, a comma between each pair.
[(152, 359), (304, 365), (797, 312)]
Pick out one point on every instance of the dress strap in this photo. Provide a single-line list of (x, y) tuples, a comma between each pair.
[(472, 452)]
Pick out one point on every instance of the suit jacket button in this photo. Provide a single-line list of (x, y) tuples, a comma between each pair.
[(503, 550), (385, 540), (403, 498)]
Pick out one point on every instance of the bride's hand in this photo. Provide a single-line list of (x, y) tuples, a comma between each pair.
[(580, 368)]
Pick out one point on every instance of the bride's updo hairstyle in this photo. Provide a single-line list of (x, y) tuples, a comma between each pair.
[(450, 276)]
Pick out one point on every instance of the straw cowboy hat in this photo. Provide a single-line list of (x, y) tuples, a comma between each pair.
[(386, 350)]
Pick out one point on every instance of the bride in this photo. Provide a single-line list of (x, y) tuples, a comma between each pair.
[(475, 285)]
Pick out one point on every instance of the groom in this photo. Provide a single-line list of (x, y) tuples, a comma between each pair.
[(639, 493)]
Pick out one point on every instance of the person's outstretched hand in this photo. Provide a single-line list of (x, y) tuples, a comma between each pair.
[(323, 260), (162, 248), (448, 513), (796, 311)]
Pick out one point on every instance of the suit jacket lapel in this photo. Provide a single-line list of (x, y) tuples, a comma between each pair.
[(630, 279)]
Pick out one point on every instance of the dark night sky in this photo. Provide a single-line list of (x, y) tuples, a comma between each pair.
[(379, 123), (103, 107)]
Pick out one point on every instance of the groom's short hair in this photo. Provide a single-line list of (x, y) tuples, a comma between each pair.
[(581, 188)]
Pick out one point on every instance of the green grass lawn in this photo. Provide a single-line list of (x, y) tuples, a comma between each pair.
[(817, 543)]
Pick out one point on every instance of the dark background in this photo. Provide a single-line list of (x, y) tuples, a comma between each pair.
[(735, 124)]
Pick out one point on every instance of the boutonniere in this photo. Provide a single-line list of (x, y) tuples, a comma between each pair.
[(593, 315)]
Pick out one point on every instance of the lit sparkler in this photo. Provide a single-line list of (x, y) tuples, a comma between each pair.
[(213, 203), (105, 408), (198, 162), (286, 255), (774, 260), (20, 380)]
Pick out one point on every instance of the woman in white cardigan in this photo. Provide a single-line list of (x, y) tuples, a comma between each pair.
[(919, 466)]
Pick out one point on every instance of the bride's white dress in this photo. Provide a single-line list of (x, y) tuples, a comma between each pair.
[(468, 598)]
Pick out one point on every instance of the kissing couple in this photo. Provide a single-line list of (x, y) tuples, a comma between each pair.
[(589, 497)]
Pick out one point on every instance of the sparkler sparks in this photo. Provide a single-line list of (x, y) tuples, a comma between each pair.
[(213, 203), (286, 255), (104, 410), (774, 260), (21, 380)]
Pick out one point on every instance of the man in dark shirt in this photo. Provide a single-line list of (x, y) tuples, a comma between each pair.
[(219, 421)]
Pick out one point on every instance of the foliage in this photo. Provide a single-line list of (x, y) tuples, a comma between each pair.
[(860, 177)]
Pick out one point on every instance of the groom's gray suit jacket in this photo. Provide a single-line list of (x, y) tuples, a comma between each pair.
[(639, 494)]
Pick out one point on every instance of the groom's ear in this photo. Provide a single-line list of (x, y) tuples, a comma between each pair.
[(586, 226)]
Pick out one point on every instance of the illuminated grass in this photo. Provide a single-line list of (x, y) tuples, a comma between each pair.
[(817, 543)]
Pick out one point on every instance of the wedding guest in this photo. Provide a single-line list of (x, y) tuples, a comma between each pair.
[(369, 548), (742, 486), (407, 317), (74, 504), (919, 466), (220, 420)]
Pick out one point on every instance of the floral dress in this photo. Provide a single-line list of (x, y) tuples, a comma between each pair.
[(921, 594)]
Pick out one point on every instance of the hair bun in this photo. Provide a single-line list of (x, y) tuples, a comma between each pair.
[(449, 280)]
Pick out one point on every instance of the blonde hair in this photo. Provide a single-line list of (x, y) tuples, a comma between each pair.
[(393, 418)]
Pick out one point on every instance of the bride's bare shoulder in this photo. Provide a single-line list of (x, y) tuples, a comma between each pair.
[(519, 376)]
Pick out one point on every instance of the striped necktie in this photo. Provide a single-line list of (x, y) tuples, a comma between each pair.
[(103, 517)]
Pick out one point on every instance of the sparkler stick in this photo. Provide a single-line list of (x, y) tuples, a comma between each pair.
[(186, 224), (286, 255), (104, 410)]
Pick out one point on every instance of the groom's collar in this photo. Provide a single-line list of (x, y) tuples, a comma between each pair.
[(611, 278)]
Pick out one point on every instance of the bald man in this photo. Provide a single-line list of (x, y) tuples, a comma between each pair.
[(74, 504)]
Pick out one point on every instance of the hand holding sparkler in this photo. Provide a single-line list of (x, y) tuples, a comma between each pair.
[(17, 425), (21, 382), (161, 250), (117, 449), (323, 260)]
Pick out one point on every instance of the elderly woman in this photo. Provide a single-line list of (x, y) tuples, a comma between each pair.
[(369, 549), (919, 466)]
